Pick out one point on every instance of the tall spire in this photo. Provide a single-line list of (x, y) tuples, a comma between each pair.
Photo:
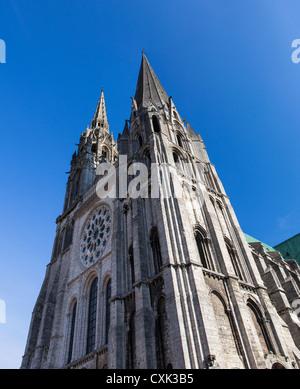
[(149, 89), (100, 117)]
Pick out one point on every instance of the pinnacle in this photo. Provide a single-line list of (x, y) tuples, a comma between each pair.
[(100, 116)]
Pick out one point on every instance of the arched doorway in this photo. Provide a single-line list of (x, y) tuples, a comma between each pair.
[(277, 365)]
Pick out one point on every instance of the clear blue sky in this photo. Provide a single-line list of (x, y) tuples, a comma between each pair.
[(227, 64)]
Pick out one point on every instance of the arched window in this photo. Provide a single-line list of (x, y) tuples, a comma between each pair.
[(155, 122), (234, 260), (203, 250), (175, 157), (226, 334), (179, 140), (91, 331), (208, 177), (178, 161), (161, 334), (260, 328), (131, 264), (94, 148), (131, 359), (72, 329), (104, 155), (107, 308), (155, 245)]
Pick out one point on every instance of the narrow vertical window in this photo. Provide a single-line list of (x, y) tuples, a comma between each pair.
[(234, 260), (131, 264), (260, 328), (155, 122), (175, 157), (107, 308), (104, 154), (225, 333), (161, 334), (131, 361), (72, 329), (140, 141), (94, 148), (91, 332), (201, 249), (204, 250), (179, 140), (178, 161), (154, 241)]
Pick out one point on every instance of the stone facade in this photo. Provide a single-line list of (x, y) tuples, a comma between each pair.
[(282, 279), (158, 281)]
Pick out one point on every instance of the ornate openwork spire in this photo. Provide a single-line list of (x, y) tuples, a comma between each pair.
[(100, 117)]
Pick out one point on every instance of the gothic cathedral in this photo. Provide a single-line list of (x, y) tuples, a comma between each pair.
[(145, 279)]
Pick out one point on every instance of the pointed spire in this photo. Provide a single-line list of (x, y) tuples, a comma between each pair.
[(100, 117), (149, 89)]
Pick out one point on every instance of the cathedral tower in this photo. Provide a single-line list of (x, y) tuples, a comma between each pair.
[(160, 275)]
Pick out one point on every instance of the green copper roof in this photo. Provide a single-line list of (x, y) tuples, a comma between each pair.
[(290, 248), (250, 239)]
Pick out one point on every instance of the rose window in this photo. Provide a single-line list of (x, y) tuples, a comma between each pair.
[(95, 236)]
